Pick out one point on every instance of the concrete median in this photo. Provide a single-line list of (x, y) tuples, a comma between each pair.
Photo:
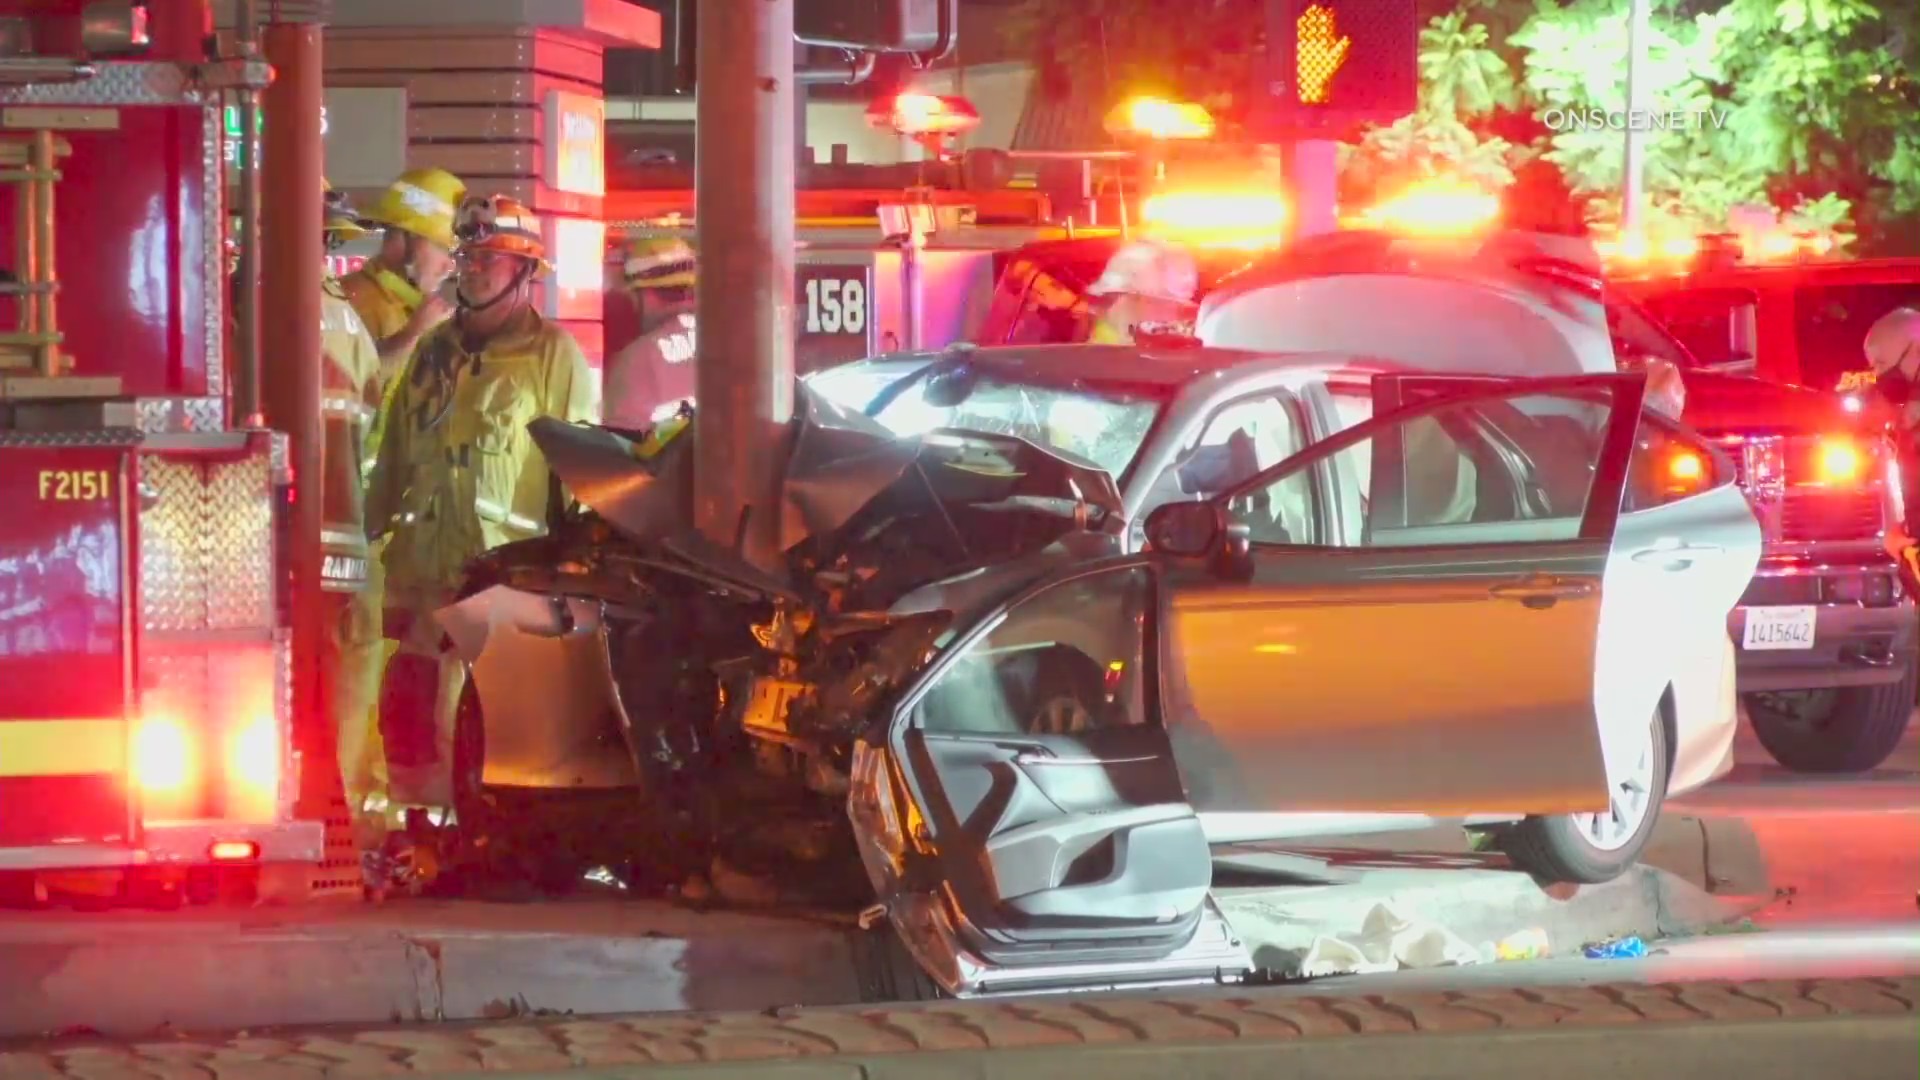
[(1844, 1028)]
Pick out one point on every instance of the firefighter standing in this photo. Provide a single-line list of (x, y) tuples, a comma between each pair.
[(649, 378), (458, 474), (1893, 353), (350, 399), (1145, 283), (396, 293)]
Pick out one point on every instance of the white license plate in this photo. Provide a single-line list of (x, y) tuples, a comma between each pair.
[(1780, 627)]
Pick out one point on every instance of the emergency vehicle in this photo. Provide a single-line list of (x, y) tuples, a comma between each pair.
[(146, 730), (886, 269), (1779, 305)]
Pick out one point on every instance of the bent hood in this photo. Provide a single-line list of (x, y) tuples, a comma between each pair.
[(838, 462)]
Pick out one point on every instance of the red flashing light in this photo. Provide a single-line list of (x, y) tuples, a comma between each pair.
[(1438, 208), (1159, 119), (1839, 461), (922, 115), (233, 851)]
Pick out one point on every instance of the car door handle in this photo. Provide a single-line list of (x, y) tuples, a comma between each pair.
[(1047, 757), (1678, 557), (1537, 593)]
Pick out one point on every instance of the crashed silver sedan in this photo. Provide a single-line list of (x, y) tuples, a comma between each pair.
[(1096, 618)]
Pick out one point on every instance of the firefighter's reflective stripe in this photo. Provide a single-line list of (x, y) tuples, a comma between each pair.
[(346, 407), (63, 747), (500, 515)]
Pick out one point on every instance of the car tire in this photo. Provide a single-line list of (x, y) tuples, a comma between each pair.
[(1561, 849), (887, 971), (1849, 729)]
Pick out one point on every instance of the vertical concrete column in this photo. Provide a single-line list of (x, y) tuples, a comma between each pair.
[(743, 213), (291, 264)]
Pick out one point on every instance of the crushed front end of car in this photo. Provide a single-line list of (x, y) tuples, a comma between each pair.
[(642, 697)]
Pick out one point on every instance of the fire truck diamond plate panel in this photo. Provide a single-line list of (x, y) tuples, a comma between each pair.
[(117, 83), (206, 543)]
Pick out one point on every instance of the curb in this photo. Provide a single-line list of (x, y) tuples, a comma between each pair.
[(453, 964), (1869, 1049), (1124, 1036), (249, 979)]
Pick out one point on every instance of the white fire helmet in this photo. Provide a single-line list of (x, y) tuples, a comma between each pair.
[(1894, 337), (1666, 390), (1151, 269)]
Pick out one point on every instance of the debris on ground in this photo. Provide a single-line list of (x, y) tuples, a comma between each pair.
[(1623, 948), (1386, 941), (1530, 944)]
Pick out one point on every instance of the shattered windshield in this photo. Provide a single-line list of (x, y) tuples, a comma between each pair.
[(1104, 426)]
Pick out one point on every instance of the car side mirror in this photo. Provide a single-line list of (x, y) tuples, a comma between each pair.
[(1191, 530)]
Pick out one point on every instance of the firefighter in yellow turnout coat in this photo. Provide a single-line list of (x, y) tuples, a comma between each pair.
[(397, 293), (350, 399), (457, 473)]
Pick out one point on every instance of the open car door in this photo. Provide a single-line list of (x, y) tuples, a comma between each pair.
[(1024, 819), (1431, 648)]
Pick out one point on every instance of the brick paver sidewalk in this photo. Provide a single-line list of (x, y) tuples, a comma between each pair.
[(1251, 1013)]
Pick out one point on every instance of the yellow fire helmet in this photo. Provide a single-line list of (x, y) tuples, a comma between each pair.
[(659, 262), (338, 221), (423, 202)]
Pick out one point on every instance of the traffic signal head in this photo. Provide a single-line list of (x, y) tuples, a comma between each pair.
[(889, 26), (1334, 64)]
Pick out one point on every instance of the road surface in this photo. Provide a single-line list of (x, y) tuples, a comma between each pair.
[(1845, 847)]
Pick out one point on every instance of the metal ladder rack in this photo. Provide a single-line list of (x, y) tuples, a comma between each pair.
[(32, 163)]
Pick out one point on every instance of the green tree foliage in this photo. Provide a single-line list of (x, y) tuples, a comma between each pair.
[(1463, 80)]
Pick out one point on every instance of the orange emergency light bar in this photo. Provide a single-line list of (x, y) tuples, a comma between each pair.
[(1437, 208), (1248, 219), (1637, 251), (913, 113), (1157, 118)]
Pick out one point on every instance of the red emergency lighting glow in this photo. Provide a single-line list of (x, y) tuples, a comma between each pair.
[(915, 113), (1224, 218), (233, 851), (1839, 461), (1438, 208), (162, 756), (1680, 247), (253, 770), (1157, 118)]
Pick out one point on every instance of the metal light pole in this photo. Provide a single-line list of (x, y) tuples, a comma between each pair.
[(290, 274), (744, 157), (1311, 167), (1635, 165)]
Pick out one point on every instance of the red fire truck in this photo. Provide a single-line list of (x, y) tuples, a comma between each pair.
[(145, 661)]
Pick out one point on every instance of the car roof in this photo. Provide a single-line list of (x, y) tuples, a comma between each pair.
[(1081, 260), (1167, 369)]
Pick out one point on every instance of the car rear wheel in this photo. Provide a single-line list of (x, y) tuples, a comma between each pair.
[(1596, 847), (1846, 729)]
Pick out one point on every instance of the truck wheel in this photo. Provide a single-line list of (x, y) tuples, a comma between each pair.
[(1847, 729), (1590, 848)]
